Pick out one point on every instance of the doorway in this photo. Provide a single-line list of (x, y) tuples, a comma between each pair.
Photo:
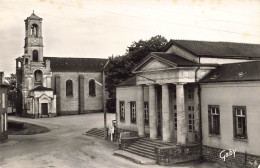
[(44, 108)]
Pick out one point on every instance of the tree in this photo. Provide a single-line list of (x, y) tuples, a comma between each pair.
[(119, 67), (12, 91)]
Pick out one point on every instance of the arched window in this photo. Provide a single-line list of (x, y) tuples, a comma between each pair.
[(19, 64), (69, 88), (34, 30), (35, 56), (38, 77), (92, 88), (26, 61)]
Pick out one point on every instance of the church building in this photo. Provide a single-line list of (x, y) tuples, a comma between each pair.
[(51, 86), (195, 92)]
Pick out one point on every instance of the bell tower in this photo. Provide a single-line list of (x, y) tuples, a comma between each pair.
[(33, 38)]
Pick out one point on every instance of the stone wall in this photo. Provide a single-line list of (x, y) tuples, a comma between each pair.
[(71, 104), (3, 137), (239, 160), (177, 154)]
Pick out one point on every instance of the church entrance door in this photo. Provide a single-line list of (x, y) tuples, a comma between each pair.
[(44, 108)]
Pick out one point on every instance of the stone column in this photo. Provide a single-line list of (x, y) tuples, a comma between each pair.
[(48, 82), (181, 118), (140, 111), (166, 136), (5, 114), (2, 122), (196, 114), (152, 112), (58, 94), (44, 84), (81, 94), (36, 108)]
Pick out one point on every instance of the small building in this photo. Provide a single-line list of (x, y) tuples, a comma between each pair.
[(3, 109), (230, 114), (164, 100)]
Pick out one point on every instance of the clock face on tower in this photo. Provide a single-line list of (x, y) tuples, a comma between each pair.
[(34, 41)]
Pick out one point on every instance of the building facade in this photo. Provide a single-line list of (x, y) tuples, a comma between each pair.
[(164, 100), (51, 86), (230, 112), (3, 109)]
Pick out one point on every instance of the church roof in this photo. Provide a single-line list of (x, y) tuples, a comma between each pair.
[(34, 17), (246, 71), (217, 49), (41, 88), (62, 64)]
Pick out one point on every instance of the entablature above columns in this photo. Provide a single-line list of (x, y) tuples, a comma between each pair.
[(169, 76)]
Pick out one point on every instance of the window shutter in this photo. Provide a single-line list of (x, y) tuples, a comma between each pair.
[(234, 122), (218, 120), (209, 120), (245, 123)]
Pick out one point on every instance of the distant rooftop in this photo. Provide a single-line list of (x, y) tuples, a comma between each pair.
[(246, 71), (217, 49)]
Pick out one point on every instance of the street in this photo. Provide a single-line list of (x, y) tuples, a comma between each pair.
[(64, 146)]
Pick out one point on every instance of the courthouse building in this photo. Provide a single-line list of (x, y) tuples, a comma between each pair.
[(196, 92), (50, 86)]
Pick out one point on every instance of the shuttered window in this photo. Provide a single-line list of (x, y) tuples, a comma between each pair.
[(122, 110), (133, 112)]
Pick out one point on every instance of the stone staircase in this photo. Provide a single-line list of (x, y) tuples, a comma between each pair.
[(145, 147), (96, 132)]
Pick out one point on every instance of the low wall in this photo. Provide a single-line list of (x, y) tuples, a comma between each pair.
[(3, 137), (177, 154), (237, 160)]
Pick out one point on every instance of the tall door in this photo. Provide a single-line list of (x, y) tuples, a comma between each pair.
[(190, 119), (44, 108), (159, 110)]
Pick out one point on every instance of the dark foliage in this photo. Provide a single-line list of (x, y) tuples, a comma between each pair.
[(119, 67)]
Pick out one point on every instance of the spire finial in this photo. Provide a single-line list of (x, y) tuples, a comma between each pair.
[(33, 11)]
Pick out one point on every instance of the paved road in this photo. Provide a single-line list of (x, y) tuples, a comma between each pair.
[(64, 146)]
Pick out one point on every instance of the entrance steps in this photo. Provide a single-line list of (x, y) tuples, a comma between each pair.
[(96, 132), (143, 147)]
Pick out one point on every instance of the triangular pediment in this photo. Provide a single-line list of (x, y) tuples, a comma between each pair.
[(154, 64)]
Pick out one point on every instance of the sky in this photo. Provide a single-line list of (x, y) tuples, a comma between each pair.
[(99, 29)]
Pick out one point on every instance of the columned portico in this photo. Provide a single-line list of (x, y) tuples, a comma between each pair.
[(140, 110), (181, 118), (153, 112), (165, 113)]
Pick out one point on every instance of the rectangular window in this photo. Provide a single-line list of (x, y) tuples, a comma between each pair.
[(190, 93), (191, 122), (191, 108), (239, 122), (214, 120), (175, 121), (3, 100), (133, 111), (122, 110), (146, 113)]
